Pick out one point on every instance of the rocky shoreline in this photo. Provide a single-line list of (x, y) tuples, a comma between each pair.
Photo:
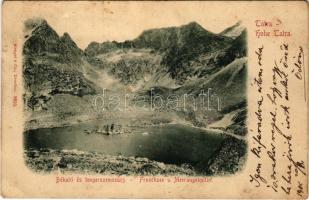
[(228, 159), (47, 161)]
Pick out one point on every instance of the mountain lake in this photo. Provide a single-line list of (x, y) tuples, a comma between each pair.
[(170, 144)]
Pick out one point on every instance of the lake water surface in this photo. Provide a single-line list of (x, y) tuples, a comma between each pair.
[(172, 144)]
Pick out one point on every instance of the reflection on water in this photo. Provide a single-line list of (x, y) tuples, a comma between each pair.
[(173, 144)]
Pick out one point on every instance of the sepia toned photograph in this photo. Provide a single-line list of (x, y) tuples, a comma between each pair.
[(171, 101), (154, 99)]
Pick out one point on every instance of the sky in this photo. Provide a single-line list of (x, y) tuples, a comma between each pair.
[(107, 21)]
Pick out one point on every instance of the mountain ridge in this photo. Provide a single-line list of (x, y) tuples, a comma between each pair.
[(154, 38), (179, 46), (183, 62), (65, 85)]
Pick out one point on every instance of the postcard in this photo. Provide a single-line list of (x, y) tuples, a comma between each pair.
[(154, 99)]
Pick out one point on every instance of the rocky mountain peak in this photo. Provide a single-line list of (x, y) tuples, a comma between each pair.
[(69, 42), (33, 23), (193, 26), (66, 37), (44, 30), (234, 31), (41, 38)]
